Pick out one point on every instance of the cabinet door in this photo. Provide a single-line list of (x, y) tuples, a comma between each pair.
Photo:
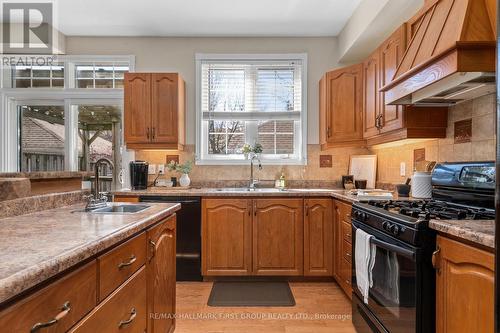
[(160, 271), (137, 108), (164, 108), (344, 105), (342, 247), (318, 237), (278, 237), (391, 52), (226, 237), (464, 288), (371, 95)]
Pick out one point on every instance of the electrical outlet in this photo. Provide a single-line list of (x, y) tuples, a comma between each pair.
[(152, 169), (161, 169), (402, 169)]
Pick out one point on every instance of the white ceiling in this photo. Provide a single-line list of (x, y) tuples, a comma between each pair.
[(204, 17)]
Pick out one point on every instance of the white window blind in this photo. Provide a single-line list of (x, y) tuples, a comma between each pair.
[(251, 101)]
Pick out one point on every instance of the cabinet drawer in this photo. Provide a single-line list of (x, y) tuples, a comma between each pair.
[(347, 232), (119, 264), (347, 251), (123, 311), (344, 211), (68, 299)]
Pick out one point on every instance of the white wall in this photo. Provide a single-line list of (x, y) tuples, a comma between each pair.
[(165, 54)]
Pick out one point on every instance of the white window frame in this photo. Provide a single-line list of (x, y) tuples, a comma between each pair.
[(11, 98), (300, 139)]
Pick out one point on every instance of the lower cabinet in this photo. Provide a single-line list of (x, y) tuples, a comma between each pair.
[(124, 311), (278, 236), (160, 271), (318, 237), (464, 287), (342, 249), (267, 237), (118, 291), (227, 237)]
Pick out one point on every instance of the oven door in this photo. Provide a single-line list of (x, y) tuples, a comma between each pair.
[(393, 297)]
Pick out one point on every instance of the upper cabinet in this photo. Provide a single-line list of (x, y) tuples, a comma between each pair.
[(385, 123), (154, 114), (341, 107)]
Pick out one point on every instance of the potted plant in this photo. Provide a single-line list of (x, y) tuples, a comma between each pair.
[(184, 170)]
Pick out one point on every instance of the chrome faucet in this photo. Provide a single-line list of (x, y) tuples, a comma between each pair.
[(97, 199), (253, 181)]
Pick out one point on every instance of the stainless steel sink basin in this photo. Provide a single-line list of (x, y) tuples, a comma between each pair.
[(120, 209)]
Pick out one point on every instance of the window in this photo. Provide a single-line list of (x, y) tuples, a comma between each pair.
[(100, 75), (251, 99), (49, 76), (42, 138), (68, 128)]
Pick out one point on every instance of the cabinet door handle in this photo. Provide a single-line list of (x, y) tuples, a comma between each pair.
[(147, 133), (435, 260), (154, 130), (329, 132), (127, 263), (152, 246), (254, 209), (133, 314), (65, 309), (307, 210)]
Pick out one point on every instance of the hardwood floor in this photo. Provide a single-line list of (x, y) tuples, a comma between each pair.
[(326, 299)]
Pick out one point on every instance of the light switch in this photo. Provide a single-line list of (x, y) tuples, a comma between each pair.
[(402, 169), (152, 169)]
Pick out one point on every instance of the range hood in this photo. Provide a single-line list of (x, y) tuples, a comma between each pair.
[(450, 56)]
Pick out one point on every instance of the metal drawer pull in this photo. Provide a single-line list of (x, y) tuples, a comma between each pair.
[(133, 314), (66, 308), (127, 263)]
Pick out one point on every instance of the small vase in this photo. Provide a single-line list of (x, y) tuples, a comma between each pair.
[(184, 181)]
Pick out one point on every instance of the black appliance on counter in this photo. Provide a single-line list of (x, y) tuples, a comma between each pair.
[(402, 298), (139, 175), (188, 234)]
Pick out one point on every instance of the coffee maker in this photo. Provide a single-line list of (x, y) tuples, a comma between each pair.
[(139, 175)]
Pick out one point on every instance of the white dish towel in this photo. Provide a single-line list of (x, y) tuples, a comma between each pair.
[(365, 260)]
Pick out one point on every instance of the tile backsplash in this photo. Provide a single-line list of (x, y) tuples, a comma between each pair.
[(210, 174), (481, 147)]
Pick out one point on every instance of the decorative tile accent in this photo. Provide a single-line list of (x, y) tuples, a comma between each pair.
[(325, 161), (171, 158), (463, 131)]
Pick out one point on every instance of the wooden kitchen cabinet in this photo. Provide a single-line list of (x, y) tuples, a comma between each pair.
[(161, 276), (318, 236), (278, 236), (342, 249), (385, 123), (464, 287), (341, 107), (227, 236), (154, 111), (371, 96)]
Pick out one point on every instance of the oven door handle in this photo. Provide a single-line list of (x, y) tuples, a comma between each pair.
[(394, 248)]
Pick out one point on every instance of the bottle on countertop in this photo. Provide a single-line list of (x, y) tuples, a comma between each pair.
[(282, 180)]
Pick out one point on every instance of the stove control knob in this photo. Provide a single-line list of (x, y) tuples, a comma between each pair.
[(386, 225), (356, 214), (395, 230)]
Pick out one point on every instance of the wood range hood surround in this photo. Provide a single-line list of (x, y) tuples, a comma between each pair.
[(450, 56)]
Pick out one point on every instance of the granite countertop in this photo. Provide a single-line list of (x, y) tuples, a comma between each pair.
[(240, 192), (481, 232), (37, 246)]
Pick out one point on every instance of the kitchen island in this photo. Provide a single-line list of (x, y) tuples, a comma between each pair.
[(79, 265)]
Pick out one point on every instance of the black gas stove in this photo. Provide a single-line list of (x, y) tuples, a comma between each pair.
[(402, 298)]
